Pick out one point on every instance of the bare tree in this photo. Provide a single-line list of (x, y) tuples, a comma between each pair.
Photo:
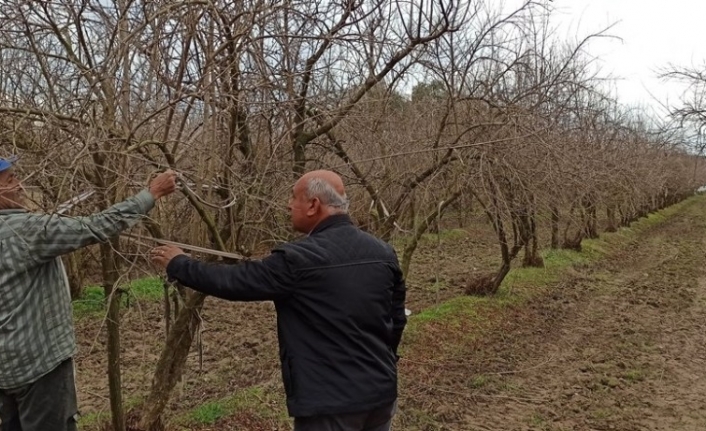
[(424, 106)]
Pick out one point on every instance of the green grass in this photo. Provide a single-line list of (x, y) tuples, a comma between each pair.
[(209, 413), (445, 235), (456, 307), (92, 420), (92, 300), (556, 263), (537, 420), (634, 376), (465, 316), (149, 289), (479, 381), (602, 414), (255, 400)]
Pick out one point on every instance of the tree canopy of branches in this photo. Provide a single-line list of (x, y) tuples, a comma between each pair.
[(423, 106)]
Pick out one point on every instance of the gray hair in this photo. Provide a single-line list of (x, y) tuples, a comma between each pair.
[(318, 188)]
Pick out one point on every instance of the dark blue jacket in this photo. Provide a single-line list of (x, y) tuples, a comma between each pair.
[(339, 295)]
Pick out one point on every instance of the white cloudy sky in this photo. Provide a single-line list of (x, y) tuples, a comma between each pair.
[(654, 33)]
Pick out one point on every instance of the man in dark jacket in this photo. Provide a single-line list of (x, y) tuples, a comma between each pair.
[(339, 295)]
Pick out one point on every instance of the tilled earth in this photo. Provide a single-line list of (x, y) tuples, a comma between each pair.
[(618, 346)]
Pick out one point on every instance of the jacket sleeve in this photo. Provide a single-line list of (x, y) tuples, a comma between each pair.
[(46, 236), (399, 317), (268, 279)]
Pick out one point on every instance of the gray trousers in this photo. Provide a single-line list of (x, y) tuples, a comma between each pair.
[(375, 420), (47, 404)]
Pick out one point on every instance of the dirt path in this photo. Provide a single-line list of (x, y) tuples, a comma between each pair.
[(621, 346)]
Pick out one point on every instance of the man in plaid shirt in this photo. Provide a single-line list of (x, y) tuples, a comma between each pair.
[(37, 342)]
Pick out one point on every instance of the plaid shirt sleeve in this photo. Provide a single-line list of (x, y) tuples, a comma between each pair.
[(46, 236), (36, 325)]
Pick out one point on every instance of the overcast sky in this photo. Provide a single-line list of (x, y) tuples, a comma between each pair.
[(654, 33)]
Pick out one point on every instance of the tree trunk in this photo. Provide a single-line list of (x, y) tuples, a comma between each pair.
[(489, 285), (113, 294), (299, 165), (573, 242), (624, 218), (612, 221), (589, 218), (555, 226), (73, 273), (412, 222), (171, 362), (500, 276), (532, 257), (421, 229)]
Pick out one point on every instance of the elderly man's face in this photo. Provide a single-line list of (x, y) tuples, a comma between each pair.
[(11, 191), (300, 208)]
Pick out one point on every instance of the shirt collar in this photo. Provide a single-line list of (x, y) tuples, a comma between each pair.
[(12, 211), (331, 221)]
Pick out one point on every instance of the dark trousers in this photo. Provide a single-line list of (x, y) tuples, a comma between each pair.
[(49, 404), (379, 419)]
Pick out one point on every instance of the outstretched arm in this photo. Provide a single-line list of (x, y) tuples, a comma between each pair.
[(46, 236), (267, 279)]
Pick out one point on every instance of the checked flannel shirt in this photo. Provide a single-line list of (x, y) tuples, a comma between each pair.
[(36, 321)]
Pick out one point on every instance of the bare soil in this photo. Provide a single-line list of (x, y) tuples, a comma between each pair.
[(618, 345)]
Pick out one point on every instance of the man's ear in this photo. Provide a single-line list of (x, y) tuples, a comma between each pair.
[(314, 207)]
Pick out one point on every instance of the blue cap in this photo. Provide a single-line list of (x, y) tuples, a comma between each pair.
[(7, 163)]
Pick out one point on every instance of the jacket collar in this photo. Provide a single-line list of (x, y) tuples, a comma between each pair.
[(12, 211), (331, 221)]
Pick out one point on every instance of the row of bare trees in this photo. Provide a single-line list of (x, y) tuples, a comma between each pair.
[(423, 105)]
